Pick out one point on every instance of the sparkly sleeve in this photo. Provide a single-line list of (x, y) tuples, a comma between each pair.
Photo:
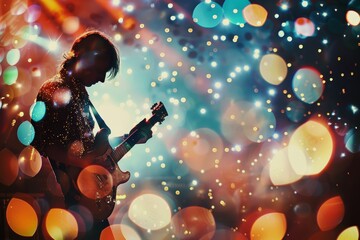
[(66, 121), (49, 130)]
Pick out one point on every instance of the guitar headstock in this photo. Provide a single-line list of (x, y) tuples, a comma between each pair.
[(159, 112)]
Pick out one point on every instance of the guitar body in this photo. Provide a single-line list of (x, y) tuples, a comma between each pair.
[(96, 184)]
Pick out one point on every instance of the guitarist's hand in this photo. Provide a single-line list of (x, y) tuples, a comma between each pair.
[(144, 131)]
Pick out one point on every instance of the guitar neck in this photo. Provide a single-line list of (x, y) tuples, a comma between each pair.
[(120, 150)]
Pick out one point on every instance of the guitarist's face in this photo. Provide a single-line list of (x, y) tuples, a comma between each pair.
[(91, 67)]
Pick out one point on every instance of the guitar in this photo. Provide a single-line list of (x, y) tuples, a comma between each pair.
[(96, 184)]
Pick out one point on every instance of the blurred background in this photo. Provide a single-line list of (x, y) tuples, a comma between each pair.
[(262, 139)]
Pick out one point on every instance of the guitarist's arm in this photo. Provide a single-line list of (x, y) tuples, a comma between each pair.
[(139, 134), (143, 130)]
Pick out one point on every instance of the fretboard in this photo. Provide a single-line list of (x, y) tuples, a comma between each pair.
[(120, 150), (134, 137)]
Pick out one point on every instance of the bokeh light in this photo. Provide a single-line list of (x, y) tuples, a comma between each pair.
[(84, 217), (304, 27), (112, 232), (70, 25), (9, 167), (10, 75), (233, 120), (233, 10), (307, 85), (207, 14), (19, 42), (310, 148), (61, 224), (255, 15), (281, 172), (22, 217), (13, 56), (352, 140), (353, 17), (32, 13), (269, 226), (61, 97), (351, 233), (273, 69), (37, 111), (200, 148), (26, 133), (192, 223), (18, 8), (119, 232), (95, 182), (129, 232), (150, 212), (259, 124), (30, 161), (29, 33), (330, 213)]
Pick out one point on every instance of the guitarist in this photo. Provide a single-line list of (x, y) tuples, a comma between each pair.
[(65, 133)]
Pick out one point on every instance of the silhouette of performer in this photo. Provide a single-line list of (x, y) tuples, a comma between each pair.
[(65, 134)]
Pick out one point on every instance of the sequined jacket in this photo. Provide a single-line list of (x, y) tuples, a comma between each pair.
[(67, 122)]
